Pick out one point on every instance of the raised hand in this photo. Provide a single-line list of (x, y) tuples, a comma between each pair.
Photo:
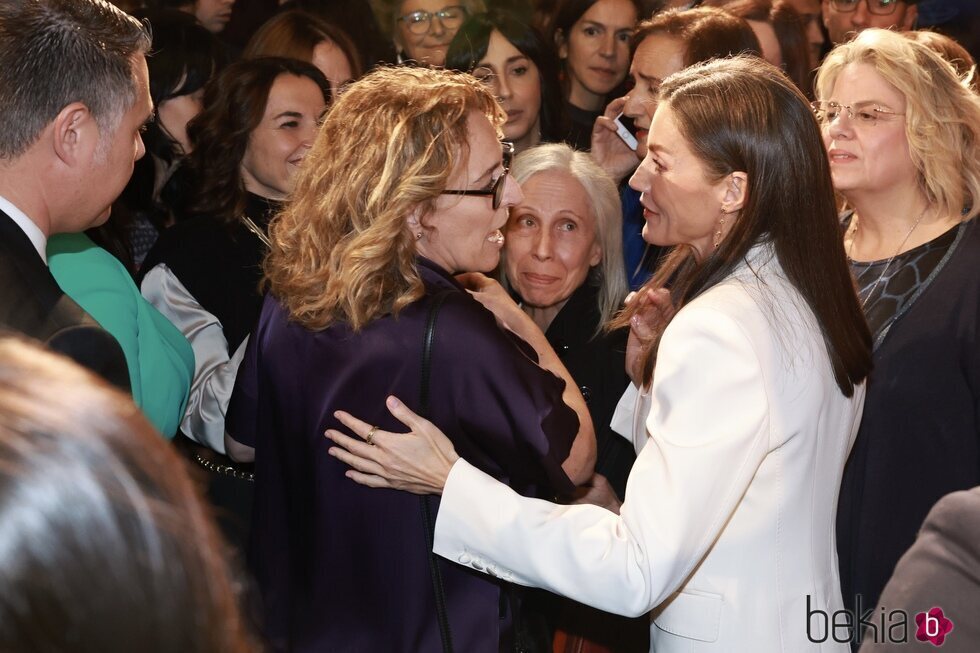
[(654, 312), (608, 149)]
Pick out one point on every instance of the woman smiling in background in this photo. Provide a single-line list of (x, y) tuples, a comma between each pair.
[(423, 29), (259, 119)]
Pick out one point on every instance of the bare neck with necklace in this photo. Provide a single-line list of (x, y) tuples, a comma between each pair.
[(854, 229), (889, 284), (869, 241)]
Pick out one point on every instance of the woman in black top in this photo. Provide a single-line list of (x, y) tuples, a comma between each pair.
[(903, 137), (593, 38), (259, 120)]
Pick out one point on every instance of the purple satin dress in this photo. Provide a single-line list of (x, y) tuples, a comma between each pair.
[(341, 567)]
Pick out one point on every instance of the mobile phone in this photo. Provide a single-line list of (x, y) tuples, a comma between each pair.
[(624, 133)]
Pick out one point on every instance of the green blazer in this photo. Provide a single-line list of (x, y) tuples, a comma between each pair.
[(160, 360)]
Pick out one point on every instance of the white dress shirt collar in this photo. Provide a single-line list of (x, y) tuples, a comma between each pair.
[(37, 237)]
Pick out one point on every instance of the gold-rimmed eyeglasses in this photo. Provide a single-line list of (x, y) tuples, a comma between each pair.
[(867, 113)]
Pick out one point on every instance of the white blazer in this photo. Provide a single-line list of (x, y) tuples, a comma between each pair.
[(728, 521)]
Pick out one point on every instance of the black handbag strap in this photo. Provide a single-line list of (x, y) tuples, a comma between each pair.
[(424, 501)]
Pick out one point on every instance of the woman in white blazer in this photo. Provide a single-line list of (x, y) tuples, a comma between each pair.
[(742, 414)]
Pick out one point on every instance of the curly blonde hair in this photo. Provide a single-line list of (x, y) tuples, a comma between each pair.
[(942, 114), (341, 249)]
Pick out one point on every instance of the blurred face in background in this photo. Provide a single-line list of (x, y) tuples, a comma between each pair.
[(596, 52), (845, 18), (174, 113), (657, 57), (424, 28), (771, 50), (552, 241), (809, 11), (278, 145), (516, 82), (213, 14), (333, 63)]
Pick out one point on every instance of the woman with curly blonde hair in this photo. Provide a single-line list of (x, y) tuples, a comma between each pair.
[(405, 186), (902, 131)]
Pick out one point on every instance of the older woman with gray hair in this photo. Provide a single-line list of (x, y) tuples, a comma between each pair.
[(564, 262)]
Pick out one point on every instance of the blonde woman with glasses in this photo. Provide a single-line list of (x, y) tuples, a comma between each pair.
[(902, 132)]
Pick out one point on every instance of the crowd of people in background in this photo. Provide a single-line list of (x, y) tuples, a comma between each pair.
[(667, 311)]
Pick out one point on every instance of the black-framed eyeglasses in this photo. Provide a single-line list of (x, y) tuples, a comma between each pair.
[(420, 22), (877, 7), (497, 189), (866, 113)]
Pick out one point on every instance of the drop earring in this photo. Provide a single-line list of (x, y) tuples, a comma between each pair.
[(718, 231)]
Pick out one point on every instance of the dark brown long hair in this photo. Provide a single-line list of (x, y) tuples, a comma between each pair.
[(234, 103), (108, 545), (743, 114), (470, 45)]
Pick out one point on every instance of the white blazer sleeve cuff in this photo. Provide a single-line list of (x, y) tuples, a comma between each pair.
[(453, 530)]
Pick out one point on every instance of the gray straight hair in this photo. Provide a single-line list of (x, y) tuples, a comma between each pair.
[(610, 274)]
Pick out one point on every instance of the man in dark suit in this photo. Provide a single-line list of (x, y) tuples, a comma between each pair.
[(75, 98)]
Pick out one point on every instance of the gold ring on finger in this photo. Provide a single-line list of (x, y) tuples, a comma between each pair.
[(370, 435)]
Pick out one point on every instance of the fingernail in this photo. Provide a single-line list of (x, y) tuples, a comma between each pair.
[(393, 402)]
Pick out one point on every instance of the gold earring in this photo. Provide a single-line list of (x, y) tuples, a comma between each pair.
[(718, 232)]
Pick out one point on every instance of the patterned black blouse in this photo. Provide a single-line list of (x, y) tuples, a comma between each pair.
[(887, 287)]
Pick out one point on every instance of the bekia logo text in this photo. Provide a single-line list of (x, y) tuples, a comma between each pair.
[(890, 626)]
